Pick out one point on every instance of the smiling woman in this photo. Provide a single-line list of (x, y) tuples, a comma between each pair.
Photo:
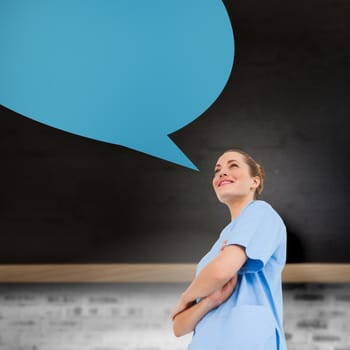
[(237, 290), (237, 164)]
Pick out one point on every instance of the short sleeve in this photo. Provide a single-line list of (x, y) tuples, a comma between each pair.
[(260, 230)]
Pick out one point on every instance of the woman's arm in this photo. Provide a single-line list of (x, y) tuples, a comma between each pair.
[(213, 276), (185, 321)]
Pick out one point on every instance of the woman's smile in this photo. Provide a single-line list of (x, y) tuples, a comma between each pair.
[(225, 182)]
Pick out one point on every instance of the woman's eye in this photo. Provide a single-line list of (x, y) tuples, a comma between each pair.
[(233, 165)]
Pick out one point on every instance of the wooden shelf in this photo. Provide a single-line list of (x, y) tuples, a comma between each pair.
[(153, 273)]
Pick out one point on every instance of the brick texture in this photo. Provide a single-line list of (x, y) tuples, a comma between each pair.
[(136, 316)]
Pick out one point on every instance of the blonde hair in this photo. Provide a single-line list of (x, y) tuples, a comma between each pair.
[(255, 169)]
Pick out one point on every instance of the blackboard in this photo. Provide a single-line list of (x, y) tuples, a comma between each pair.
[(69, 199)]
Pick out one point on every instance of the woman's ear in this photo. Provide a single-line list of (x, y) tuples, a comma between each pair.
[(255, 182)]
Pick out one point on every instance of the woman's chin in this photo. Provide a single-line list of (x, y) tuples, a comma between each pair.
[(226, 198), (230, 198)]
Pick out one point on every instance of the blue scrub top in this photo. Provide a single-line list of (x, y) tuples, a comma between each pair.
[(252, 317)]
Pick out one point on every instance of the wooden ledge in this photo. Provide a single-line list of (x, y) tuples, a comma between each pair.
[(154, 273)]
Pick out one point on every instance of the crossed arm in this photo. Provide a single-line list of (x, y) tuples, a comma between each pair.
[(214, 284)]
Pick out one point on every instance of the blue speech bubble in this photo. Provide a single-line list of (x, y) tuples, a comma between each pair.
[(119, 71)]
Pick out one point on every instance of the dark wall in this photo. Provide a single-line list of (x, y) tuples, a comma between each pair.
[(65, 198)]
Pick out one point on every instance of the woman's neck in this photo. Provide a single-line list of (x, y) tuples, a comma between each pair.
[(237, 206)]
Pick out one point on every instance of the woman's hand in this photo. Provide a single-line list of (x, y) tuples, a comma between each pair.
[(180, 306), (217, 297), (222, 294)]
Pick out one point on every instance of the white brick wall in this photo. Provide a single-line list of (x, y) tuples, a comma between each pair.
[(136, 316), (317, 316)]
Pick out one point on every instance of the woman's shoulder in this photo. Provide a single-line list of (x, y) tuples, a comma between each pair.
[(263, 208), (258, 205)]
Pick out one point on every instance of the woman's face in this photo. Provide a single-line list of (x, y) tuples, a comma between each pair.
[(232, 179)]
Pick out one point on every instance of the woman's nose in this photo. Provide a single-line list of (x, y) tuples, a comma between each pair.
[(222, 174)]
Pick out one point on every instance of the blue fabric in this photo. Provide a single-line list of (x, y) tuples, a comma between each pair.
[(252, 318)]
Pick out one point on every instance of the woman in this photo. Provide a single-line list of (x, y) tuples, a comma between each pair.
[(235, 300)]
